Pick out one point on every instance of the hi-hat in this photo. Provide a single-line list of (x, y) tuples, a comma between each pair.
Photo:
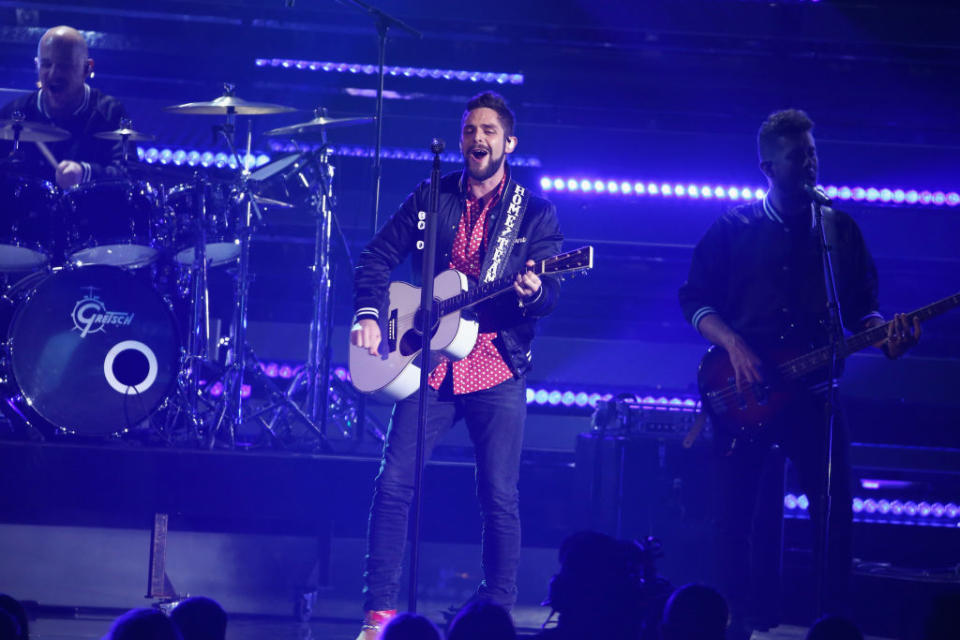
[(31, 131), (124, 133), (228, 105), (315, 127)]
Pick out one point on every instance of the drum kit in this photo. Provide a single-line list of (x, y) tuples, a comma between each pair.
[(91, 345)]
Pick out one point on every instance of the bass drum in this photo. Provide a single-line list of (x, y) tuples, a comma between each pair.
[(93, 350)]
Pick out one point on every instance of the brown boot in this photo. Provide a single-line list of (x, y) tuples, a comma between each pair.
[(374, 622)]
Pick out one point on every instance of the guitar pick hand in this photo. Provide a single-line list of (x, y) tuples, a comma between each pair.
[(366, 334)]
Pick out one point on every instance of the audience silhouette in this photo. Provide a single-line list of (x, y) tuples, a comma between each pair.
[(482, 620), (200, 618), (410, 626)]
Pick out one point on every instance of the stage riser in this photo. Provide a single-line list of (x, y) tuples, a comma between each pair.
[(247, 573)]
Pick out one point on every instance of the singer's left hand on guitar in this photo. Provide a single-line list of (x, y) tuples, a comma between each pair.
[(527, 283), (367, 336)]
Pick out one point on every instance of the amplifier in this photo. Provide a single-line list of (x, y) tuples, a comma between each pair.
[(638, 486), (648, 416)]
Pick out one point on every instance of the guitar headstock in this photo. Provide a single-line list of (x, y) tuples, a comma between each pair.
[(576, 261)]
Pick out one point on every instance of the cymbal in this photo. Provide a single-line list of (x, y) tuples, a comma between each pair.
[(32, 131), (124, 133), (314, 127), (275, 167), (228, 104)]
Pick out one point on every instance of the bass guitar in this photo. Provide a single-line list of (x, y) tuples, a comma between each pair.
[(396, 372), (787, 372)]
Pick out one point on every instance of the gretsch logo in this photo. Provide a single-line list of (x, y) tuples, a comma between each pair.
[(90, 315)]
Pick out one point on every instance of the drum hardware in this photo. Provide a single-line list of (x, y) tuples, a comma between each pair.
[(30, 212), (93, 351), (316, 128), (125, 134), (20, 130), (228, 105), (111, 222), (314, 172), (243, 360)]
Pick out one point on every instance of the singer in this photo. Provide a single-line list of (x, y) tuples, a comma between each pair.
[(488, 226), (756, 283)]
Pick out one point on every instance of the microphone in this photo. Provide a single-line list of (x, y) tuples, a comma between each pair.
[(817, 195), (437, 145)]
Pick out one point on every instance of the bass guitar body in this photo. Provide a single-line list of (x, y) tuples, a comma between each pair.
[(749, 412)]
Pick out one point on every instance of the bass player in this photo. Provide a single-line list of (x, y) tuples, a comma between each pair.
[(756, 281)]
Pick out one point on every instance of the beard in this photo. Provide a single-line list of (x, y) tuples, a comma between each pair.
[(493, 165)]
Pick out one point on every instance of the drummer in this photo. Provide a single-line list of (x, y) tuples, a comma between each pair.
[(66, 100)]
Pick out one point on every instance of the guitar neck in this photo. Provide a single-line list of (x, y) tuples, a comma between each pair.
[(479, 293), (818, 358)]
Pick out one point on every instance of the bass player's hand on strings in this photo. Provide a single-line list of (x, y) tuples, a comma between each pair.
[(747, 366), (901, 336)]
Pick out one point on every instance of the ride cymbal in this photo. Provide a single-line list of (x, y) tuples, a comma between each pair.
[(228, 105), (314, 128)]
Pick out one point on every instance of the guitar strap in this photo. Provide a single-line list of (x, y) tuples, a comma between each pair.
[(505, 235)]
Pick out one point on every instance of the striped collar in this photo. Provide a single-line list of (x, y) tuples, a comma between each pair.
[(83, 103), (771, 212)]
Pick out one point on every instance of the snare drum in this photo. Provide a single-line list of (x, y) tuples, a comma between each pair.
[(111, 222), (93, 349), (27, 233), (215, 205)]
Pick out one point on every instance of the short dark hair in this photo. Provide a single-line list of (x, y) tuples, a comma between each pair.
[(781, 123), (495, 101)]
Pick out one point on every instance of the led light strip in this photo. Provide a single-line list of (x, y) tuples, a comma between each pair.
[(490, 77), (887, 511), (193, 158), (637, 188), (535, 396), (394, 153)]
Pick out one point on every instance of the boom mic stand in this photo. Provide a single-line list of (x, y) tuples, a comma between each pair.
[(427, 319), (836, 343), (383, 22)]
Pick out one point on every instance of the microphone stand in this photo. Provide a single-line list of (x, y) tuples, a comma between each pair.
[(427, 320), (836, 344), (383, 22)]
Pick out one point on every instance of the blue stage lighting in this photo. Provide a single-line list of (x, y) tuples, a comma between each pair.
[(884, 195), (490, 77)]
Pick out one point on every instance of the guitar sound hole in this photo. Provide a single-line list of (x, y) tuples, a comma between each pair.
[(410, 343)]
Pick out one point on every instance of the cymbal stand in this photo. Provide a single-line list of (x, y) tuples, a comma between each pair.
[(188, 382), (318, 356), (315, 375), (244, 360), (198, 339)]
